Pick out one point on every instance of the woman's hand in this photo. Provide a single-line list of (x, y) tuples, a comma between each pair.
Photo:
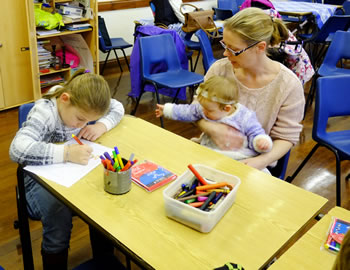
[(224, 136), (255, 162), (279, 149), (92, 132)]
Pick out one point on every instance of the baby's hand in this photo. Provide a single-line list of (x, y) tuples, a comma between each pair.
[(77, 153), (92, 132), (159, 110), (263, 145)]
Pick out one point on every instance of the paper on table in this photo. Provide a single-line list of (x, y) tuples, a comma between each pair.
[(67, 174)]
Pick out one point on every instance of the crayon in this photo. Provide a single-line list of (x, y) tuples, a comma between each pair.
[(187, 193), (202, 198), (206, 203), (212, 186), (190, 200), (193, 196), (77, 139), (196, 204), (199, 177), (218, 190), (215, 200)]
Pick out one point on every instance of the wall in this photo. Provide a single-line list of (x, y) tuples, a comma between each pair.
[(120, 23)]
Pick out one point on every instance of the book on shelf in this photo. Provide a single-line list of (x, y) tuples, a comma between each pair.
[(47, 32), (150, 175), (338, 229), (78, 26), (50, 80)]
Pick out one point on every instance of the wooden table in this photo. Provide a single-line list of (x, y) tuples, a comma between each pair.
[(267, 215), (307, 253)]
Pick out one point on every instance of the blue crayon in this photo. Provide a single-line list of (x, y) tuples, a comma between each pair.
[(215, 200)]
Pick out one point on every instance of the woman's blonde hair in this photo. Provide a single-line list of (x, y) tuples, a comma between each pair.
[(342, 261), (253, 24), (218, 89), (87, 91)]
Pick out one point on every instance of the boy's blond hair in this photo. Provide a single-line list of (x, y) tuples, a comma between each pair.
[(253, 24), (218, 89), (87, 91)]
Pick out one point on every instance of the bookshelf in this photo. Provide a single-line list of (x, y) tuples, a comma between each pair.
[(89, 36)]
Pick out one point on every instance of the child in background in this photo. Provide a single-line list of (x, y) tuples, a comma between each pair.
[(63, 111), (217, 99), (342, 262)]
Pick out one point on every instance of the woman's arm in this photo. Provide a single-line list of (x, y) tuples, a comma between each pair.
[(279, 149), (224, 136)]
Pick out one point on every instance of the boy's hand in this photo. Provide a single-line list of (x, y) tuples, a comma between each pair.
[(263, 145), (78, 153), (92, 132), (159, 110)]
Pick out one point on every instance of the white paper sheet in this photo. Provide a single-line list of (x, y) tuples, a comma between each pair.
[(67, 174)]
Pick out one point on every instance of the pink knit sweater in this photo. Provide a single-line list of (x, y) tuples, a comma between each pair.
[(279, 105)]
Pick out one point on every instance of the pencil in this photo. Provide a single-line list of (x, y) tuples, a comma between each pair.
[(77, 139)]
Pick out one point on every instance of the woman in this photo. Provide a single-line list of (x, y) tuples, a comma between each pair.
[(265, 86)]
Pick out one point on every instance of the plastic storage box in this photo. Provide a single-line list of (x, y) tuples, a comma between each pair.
[(193, 217)]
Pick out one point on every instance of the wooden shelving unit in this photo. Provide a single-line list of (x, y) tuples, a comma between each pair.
[(90, 36)]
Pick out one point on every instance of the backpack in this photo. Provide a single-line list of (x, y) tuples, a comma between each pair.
[(163, 12)]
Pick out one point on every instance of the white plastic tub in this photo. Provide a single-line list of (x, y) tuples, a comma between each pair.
[(193, 217)]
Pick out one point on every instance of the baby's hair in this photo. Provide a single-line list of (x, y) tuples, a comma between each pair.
[(219, 89), (253, 24), (342, 261), (87, 91)]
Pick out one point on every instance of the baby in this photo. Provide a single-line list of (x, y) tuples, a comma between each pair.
[(217, 101)]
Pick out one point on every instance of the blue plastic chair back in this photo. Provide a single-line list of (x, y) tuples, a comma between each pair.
[(280, 169), (339, 49), (333, 24), (207, 52), (332, 98), (228, 4), (223, 14), (158, 50), (346, 7), (23, 111)]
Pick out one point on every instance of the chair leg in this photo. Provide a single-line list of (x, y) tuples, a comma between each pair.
[(289, 179), (338, 178), (195, 64), (126, 59), (104, 64), (133, 112), (23, 223), (311, 94), (116, 56), (158, 101)]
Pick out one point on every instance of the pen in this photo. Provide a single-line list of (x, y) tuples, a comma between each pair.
[(77, 139), (199, 177), (109, 158), (119, 157)]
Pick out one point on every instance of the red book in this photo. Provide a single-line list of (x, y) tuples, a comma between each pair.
[(150, 175)]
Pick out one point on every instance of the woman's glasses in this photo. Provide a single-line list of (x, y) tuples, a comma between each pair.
[(234, 52)]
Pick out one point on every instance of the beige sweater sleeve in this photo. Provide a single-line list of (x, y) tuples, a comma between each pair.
[(279, 106)]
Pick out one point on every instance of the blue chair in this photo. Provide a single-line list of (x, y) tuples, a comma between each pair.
[(338, 50), (346, 7), (107, 44), (191, 46), (331, 100), (229, 4), (207, 52), (280, 169), (160, 49), (22, 224), (223, 14), (320, 39)]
